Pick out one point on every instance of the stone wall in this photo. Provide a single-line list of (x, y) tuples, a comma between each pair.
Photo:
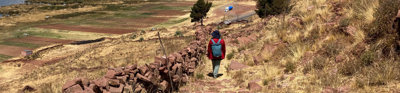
[(166, 74)]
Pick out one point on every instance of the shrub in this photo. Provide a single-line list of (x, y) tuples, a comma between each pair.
[(199, 76), (290, 67), (230, 55), (367, 58), (307, 68), (141, 39), (318, 63), (348, 68), (133, 37), (178, 34), (266, 81), (382, 25), (266, 8)]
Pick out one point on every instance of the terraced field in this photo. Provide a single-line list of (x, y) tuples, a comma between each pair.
[(111, 20)]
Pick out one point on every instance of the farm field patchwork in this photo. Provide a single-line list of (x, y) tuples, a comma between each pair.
[(111, 20)]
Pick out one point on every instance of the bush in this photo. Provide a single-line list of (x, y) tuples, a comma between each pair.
[(382, 25), (266, 8), (133, 37), (318, 63), (178, 34), (367, 58), (230, 55), (290, 67), (307, 68), (348, 68), (199, 76), (141, 39)]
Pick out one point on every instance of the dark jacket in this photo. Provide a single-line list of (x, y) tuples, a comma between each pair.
[(216, 36)]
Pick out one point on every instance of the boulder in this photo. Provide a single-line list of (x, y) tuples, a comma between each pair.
[(101, 82), (172, 58), (117, 89), (72, 83), (95, 88), (179, 58), (163, 85), (176, 78), (74, 89), (253, 86), (88, 90), (111, 74), (131, 67), (143, 78), (143, 70), (236, 66), (161, 60), (113, 83)]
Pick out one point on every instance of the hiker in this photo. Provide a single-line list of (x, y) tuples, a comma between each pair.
[(216, 51)]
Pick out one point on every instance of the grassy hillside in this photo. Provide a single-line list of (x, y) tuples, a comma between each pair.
[(321, 45)]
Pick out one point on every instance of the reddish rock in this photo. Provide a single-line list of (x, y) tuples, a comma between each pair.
[(101, 82), (339, 58), (176, 78), (143, 70), (236, 65), (94, 87), (132, 67), (171, 58), (257, 60), (163, 85), (72, 83), (74, 89), (161, 68), (179, 58), (253, 86), (117, 89), (111, 74), (113, 83), (143, 78), (161, 60), (193, 59), (87, 90)]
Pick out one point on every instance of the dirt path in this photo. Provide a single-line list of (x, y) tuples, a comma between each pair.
[(224, 83)]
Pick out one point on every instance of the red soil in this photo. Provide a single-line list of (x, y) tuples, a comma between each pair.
[(86, 29), (11, 50), (39, 40), (168, 12), (181, 3)]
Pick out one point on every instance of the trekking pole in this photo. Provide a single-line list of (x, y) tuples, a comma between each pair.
[(165, 55)]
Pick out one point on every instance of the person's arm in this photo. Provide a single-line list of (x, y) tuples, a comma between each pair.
[(223, 47), (209, 50)]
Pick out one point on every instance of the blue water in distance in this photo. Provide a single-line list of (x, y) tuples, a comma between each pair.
[(10, 2)]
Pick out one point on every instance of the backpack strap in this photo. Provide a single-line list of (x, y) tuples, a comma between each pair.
[(219, 40), (212, 40)]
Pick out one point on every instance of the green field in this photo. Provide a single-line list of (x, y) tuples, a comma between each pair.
[(28, 45), (4, 57)]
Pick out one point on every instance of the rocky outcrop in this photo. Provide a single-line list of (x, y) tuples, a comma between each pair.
[(165, 74)]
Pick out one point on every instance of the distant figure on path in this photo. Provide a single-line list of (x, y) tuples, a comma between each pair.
[(216, 51)]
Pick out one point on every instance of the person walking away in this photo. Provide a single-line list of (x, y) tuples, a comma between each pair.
[(216, 51)]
